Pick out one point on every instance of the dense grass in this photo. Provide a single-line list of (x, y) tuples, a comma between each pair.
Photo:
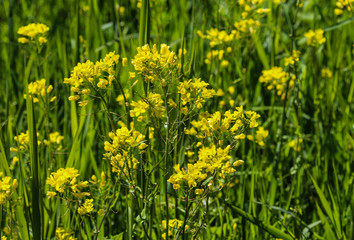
[(277, 193)]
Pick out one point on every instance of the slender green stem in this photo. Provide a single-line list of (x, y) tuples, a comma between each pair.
[(109, 115)]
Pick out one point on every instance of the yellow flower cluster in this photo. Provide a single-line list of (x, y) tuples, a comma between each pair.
[(55, 139), (86, 208), (278, 1), (326, 73), (211, 160), (247, 26), (244, 27), (217, 55), (315, 38), (22, 142), (276, 78), (33, 32), (38, 89), (150, 106), (65, 179), (343, 5), (61, 234), (296, 144), (173, 224), (251, 7), (150, 62), (7, 187), (217, 37), (194, 91), (293, 58), (250, 10), (88, 75), (118, 150), (261, 134), (102, 182), (234, 123)]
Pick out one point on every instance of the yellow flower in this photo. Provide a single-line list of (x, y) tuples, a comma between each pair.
[(124, 62), (38, 89), (150, 62), (240, 136), (23, 40), (224, 63), (172, 103), (315, 38), (343, 5), (6, 188), (74, 98), (247, 26), (217, 37), (326, 73), (101, 212), (117, 149), (86, 208), (65, 179), (195, 92), (131, 75), (61, 234), (296, 144), (238, 163), (259, 137), (276, 78), (293, 58), (199, 191), (31, 32), (86, 76), (151, 106), (51, 194)]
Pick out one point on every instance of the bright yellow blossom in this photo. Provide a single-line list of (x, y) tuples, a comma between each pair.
[(343, 5), (217, 37), (30, 33), (118, 149), (259, 137), (276, 78), (173, 226), (7, 187), (315, 38), (61, 234), (150, 62), (86, 208), (326, 73), (88, 77), (38, 89), (55, 139), (152, 106), (293, 58), (65, 179)]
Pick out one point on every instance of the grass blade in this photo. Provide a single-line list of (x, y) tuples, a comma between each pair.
[(266, 227)]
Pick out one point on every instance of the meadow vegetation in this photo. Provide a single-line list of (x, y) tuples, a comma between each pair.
[(181, 119)]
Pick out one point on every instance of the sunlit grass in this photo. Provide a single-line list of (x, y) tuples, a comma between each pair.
[(159, 145)]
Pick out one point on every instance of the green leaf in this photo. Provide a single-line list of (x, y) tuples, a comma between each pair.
[(260, 50), (323, 200), (275, 232), (329, 234), (338, 25), (118, 237)]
